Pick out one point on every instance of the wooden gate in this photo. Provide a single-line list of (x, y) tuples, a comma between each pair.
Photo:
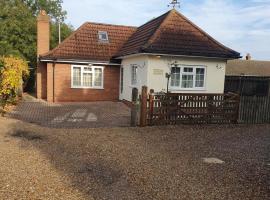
[(175, 108)]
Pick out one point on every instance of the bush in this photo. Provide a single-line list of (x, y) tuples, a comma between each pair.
[(13, 70)]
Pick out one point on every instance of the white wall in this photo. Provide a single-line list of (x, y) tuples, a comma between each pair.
[(215, 76), (152, 70), (142, 63)]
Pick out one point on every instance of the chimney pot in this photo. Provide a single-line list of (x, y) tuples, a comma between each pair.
[(248, 56)]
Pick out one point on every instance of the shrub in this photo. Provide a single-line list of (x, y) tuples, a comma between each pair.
[(12, 72)]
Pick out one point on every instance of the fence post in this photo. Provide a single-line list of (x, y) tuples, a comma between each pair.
[(151, 105), (143, 116), (134, 108)]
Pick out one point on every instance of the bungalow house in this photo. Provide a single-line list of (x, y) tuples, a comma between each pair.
[(103, 62)]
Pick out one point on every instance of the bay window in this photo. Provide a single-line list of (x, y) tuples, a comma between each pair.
[(83, 76), (188, 77)]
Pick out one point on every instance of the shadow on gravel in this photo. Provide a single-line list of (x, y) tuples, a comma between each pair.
[(26, 135), (159, 162)]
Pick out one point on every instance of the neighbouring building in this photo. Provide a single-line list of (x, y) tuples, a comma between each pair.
[(103, 62), (248, 77)]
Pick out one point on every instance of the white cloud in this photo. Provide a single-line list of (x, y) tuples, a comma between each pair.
[(245, 28)]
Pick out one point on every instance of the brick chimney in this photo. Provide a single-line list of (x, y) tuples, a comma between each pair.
[(43, 33), (248, 56)]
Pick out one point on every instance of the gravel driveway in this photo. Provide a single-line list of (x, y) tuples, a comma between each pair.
[(182, 162)]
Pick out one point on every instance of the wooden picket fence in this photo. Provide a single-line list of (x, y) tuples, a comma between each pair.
[(175, 108)]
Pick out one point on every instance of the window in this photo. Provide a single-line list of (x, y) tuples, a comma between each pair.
[(187, 77), (134, 71), (87, 77), (103, 36), (122, 80)]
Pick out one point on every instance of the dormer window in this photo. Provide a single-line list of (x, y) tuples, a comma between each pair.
[(103, 36)]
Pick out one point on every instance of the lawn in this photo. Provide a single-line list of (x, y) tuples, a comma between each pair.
[(134, 163)]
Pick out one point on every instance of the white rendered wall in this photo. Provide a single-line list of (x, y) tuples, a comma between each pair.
[(152, 70), (142, 63), (215, 73)]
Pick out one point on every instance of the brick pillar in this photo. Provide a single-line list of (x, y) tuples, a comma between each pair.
[(43, 46), (50, 82)]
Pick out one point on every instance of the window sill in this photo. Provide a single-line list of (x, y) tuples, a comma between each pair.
[(93, 88), (187, 89)]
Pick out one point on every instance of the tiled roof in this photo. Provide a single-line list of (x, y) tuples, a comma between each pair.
[(84, 44), (174, 34), (171, 33), (248, 68)]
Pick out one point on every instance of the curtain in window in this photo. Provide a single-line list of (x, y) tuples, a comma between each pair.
[(98, 77), (199, 77), (187, 78), (175, 77), (76, 76), (87, 79)]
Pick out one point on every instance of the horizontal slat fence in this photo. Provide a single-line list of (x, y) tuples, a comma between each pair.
[(254, 110), (175, 108)]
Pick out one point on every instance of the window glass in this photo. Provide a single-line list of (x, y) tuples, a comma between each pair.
[(103, 36), (98, 77), (77, 76), (188, 77), (87, 79), (134, 70), (200, 73), (122, 79), (188, 69), (175, 77), (187, 81)]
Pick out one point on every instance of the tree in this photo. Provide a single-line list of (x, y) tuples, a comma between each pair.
[(52, 7), (12, 71), (66, 30), (18, 28)]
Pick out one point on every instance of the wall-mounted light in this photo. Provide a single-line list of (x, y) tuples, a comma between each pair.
[(219, 66)]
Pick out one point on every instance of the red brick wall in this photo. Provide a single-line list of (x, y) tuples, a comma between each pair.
[(41, 81), (64, 93)]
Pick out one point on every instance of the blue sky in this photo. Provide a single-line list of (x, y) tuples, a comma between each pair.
[(243, 25)]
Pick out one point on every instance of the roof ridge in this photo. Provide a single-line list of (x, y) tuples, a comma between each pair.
[(108, 24), (154, 35), (204, 32)]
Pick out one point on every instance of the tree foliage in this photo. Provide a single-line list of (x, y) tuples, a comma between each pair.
[(18, 27), (12, 71), (52, 7), (66, 30)]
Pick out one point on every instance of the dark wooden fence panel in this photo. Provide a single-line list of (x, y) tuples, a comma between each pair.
[(254, 97), (174, 108), (254, 110)]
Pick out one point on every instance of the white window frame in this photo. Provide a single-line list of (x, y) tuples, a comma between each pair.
[(100, 38), (134, 78), (195, 67), (93, 76)]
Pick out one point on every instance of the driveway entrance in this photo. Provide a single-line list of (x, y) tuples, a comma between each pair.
[(72, 115)]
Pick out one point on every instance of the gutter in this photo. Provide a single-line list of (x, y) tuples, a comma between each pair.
[(172, 55), (78, 61)]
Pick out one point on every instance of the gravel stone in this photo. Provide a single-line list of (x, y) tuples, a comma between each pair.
[(134, 163)]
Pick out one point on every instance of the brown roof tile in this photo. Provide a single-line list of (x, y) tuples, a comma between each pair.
[(84, 44), (172, 33)]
